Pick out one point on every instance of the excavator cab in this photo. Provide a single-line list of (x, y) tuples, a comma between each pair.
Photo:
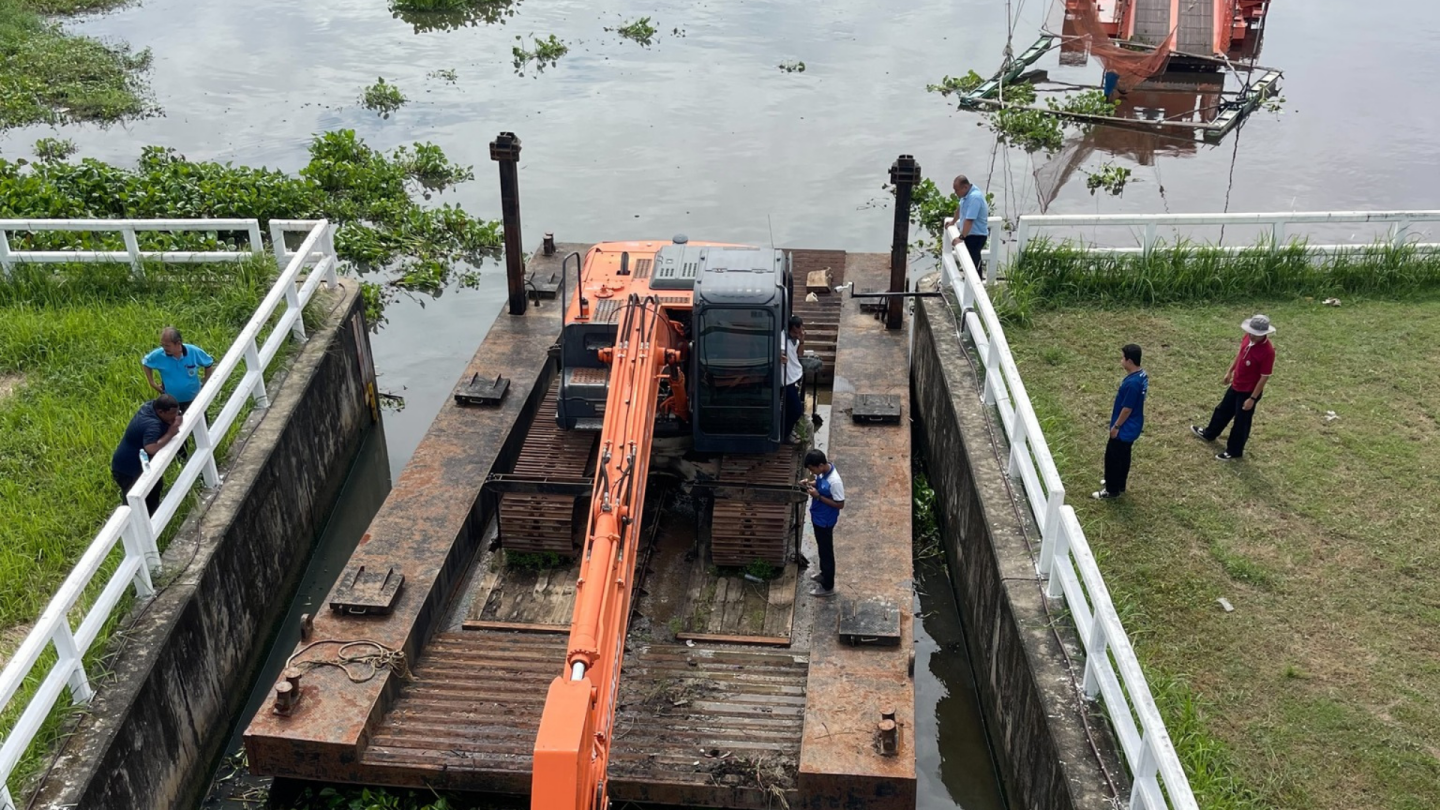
[(734, 301), (742, 303)]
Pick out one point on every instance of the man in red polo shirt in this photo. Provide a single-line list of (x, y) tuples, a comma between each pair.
[(1246, 381)]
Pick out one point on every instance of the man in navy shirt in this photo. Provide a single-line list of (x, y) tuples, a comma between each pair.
[(150, 429), (1127, 419)]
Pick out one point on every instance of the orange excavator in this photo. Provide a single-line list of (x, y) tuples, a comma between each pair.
[(680, 339)]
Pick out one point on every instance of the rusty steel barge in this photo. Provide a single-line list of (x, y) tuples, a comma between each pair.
[(525, 616)]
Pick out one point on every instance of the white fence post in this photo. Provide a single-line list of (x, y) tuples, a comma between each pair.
[(257, 242), (1017, 441), (332, 276), (277, 243), (143, 530), (1277, 235), (132, 246), (69, 656), (4, 253), (254, 366), (1022, 236), (205, 449), (1401, 230), (292, 302), (1051, 534), (130, 540), (1097, 654), (1149, 237), (992, 369)]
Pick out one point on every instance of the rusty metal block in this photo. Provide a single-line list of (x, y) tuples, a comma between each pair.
[(482, 392), (361, 592), (876, 409), (874, 621)]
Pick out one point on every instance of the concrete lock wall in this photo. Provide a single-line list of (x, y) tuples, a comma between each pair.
[(1047, 755), (155, 727)]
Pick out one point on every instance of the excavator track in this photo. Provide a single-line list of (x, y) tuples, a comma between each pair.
[(742, 532), (544, 522)]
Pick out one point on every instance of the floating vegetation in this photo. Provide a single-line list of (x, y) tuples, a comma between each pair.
[(48, 76), (642, 31), (371, 195), (792, 66), (447, 75), (543, 53), (54, 148), (1111, 179), (382, 98), (957, 86), (448, 15)]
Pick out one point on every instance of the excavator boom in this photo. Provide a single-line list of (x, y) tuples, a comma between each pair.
[(573, 745)]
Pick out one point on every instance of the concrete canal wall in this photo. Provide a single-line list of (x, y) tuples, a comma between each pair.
[(1032, 709), (162, 719)]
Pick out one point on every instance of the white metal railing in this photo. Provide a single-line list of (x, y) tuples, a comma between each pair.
[(131, 525), (1144, 229), (1112, 671)]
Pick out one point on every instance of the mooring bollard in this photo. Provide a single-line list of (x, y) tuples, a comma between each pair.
[(904, 174), (505, 150)]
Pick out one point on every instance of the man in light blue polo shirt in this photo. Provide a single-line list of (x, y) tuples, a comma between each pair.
[(182, 367), (973, 217)]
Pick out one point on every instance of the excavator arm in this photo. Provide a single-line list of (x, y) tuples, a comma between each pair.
[(572, 749)]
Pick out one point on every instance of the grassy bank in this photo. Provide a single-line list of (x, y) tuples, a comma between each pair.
[(1062, 274), (1318, 690), (72, 350), (50, 76)]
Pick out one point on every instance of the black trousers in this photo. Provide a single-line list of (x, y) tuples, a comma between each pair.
[(152, 500), (1117, 465), (794, 408), (1232, 406), (975, 243), (825, 541)]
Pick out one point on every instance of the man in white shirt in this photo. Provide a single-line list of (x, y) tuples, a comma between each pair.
[(794, 405)]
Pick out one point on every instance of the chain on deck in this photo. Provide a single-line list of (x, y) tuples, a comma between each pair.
[(543, 522), (742, 532)]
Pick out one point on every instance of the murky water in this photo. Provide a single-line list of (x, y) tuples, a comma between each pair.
[(703, 134)]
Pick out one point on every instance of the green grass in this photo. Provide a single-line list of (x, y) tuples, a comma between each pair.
[(1319, 690), (50, 76), (72, 338), (1062, 274)]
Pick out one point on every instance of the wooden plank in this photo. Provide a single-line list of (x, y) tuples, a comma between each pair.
[(734, 606), (718, 638), (716, 623), (482, 593), (780, 610), (518, 627)]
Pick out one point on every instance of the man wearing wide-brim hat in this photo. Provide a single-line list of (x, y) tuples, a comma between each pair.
[(1245, 382)]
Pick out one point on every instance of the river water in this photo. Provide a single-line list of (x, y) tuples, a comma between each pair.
[(702, 133)]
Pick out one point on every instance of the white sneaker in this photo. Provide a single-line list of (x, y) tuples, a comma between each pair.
[(821, 592), (1103, 495)]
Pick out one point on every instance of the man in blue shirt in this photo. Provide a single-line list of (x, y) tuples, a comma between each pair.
[(1127, 419), (182, 367), (827, 498), (973, 217), (150, 429)]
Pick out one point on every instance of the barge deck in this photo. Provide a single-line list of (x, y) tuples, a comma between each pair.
[(734, 693)]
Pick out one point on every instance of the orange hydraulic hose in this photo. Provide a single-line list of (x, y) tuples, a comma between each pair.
[(572, 749)]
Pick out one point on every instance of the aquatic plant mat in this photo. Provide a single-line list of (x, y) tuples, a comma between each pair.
[(1318, 690)]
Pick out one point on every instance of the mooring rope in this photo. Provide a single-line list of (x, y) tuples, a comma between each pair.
[(375, 658)]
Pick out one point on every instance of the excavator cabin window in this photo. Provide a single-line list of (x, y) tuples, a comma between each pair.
[(738, 351)]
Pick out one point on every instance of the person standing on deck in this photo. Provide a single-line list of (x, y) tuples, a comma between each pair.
[(1127, 419), (1245, 382), (794, 405), (973, 217), (827, 498), (150, 429)]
